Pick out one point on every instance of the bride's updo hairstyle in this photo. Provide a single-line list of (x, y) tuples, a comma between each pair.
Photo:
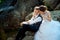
[(43, 8)]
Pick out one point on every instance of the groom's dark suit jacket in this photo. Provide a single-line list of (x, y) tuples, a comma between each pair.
[(32, 27), (36, 25)]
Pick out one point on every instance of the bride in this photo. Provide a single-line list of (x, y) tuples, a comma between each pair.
[(49, 29)]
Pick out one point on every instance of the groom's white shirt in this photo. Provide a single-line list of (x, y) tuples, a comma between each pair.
[(33, 20)]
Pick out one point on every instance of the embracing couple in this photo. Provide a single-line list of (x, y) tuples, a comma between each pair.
[(42, 24)]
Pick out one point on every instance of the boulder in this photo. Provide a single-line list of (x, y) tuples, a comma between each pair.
[(57, 7), (52, 3), (25, 7)]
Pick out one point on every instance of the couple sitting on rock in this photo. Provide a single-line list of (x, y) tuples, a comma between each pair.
[(40, 23)]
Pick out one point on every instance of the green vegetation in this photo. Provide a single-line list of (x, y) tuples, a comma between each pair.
[(1, 1)]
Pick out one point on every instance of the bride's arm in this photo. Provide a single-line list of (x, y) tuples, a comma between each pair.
[(48, 17)]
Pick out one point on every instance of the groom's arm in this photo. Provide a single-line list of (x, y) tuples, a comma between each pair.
[(27, 22), (38, 19)]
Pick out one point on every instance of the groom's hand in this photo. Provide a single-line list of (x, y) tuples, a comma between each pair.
[(21, 24), (28, 22)]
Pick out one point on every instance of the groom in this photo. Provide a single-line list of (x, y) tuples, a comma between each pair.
[(32, 25)]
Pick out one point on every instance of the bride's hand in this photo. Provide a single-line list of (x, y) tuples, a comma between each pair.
[(46, 17)]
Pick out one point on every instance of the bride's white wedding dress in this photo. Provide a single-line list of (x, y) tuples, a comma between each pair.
[(49, 30)]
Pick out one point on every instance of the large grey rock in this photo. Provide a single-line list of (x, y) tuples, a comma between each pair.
[(57, 7), (28, 16), (52, 3), (26, 6), (55, 15)]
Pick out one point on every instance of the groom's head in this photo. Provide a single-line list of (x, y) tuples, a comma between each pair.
[(36, 9)]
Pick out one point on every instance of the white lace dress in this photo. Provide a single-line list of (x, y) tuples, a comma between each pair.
[(49, 30)]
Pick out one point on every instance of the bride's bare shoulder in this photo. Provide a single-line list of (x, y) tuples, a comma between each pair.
[(48, 12)]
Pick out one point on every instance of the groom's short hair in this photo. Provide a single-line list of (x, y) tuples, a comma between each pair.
[(37, 7)]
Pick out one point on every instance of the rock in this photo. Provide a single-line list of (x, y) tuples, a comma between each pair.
[(10, 38), (28, 38), (29, 33), (52, 3), (28, 16), (57, 7), (58, 18), (55, 15), (25, 7), (7, 5)]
